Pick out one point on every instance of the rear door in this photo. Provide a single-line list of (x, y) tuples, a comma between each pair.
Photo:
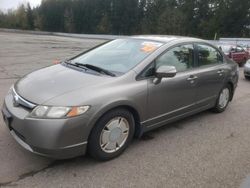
[(211, 73)]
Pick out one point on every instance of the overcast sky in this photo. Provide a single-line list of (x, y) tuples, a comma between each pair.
[(12, 4)]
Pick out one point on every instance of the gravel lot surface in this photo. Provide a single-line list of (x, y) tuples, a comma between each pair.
[(206, 150)]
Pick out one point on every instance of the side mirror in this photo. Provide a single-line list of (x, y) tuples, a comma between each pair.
[(164, 72)]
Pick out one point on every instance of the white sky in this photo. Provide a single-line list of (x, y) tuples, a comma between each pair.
[(12, 4)]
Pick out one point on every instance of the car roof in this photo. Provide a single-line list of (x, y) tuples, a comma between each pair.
[(163, 38), (230, 45)]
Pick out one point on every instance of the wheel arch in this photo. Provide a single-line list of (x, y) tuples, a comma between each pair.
[(137, 119), (121, 105), (230, 83)]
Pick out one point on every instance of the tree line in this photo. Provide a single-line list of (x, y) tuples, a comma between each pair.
[(199, 18)]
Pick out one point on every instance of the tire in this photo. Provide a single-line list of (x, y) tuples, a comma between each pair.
[(243, 63), (247, 77), (222, 104), (111, 135)]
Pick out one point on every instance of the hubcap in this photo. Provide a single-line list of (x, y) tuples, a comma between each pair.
[(224, 98), (114, 134)]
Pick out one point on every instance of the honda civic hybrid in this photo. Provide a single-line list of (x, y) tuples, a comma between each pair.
[(99, 100)]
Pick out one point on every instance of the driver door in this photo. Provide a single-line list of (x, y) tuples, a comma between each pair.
[(173, 97)]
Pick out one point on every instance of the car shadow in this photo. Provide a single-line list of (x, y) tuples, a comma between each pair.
[(177, 125), (148, 136)]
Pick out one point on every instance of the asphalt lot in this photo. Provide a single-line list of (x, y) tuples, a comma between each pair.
[(206, 150)]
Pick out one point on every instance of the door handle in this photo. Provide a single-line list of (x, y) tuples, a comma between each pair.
[(220, 72), (192, 78)]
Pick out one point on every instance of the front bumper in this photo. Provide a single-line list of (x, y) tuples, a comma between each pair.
[(55, 138)]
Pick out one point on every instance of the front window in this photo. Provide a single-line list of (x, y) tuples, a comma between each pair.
[(181, 57), (118, 56)]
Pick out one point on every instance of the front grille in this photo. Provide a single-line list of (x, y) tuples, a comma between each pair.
[(19, 101)]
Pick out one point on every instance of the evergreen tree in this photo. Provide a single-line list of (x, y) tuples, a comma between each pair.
[(30, 17), (201, 18)]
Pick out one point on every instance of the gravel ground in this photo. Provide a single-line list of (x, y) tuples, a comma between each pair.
[(206, 150)]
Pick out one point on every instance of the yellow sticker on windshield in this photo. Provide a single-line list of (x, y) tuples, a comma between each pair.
[(150, 46)]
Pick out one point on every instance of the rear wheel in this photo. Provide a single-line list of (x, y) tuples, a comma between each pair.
[(223, 99), (111, 135)]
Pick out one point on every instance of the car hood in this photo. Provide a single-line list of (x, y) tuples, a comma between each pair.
[(50, 82)]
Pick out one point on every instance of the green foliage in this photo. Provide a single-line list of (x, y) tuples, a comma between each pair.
[(29, 17), (202, 18), (171, 22)]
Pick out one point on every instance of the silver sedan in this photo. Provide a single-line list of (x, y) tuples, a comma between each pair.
[(247, 70), (99, 100)]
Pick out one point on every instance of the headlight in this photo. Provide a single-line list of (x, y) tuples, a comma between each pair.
[(57, 112)]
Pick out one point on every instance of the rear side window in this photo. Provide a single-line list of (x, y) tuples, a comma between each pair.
[(208, 55), (239, 49), (181, 57)]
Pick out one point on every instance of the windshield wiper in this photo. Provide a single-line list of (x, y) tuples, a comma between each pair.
[(73, 64), (95, 68)]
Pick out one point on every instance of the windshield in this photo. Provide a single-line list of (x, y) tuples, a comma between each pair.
[(118, 56)]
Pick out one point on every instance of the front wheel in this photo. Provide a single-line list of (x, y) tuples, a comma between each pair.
[(223, 99), (111, 135)]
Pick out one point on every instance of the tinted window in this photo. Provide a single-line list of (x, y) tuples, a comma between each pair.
[(208, 55), (239, 49), (233, 49), (149, 71), (180, 57)]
